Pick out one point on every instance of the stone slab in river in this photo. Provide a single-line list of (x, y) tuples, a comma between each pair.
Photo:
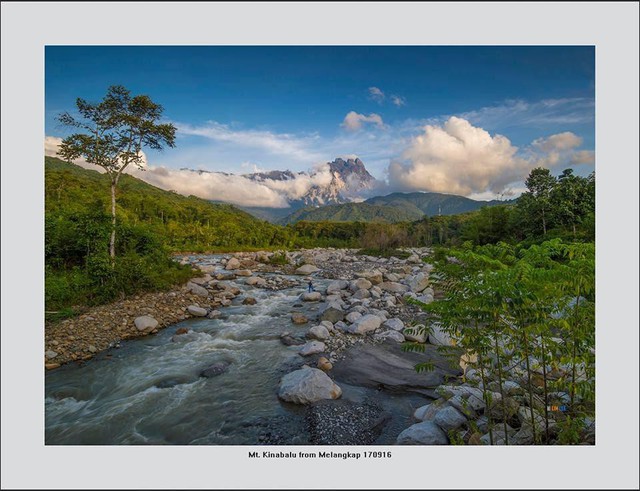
[(312, 347), (307, 385), (386, 366), (311, 297)]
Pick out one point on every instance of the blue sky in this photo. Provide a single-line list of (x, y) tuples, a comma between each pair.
[(240, 108)]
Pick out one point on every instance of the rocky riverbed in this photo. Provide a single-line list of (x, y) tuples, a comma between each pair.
[(345, 335)]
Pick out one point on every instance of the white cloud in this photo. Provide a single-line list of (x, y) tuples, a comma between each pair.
[(558, 142), (457, 158), (398, 100), (583, 157), (354, 121), (376, 94), (230, 188), (540, 113), (283, 144)]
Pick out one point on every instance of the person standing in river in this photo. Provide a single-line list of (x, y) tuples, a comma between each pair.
[(310, 286)]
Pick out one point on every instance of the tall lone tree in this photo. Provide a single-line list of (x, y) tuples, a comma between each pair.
[(540, 183), (115, 132)]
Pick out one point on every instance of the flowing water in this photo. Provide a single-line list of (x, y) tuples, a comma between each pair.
[(149, 391)]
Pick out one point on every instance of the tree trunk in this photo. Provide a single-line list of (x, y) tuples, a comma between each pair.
[(112, 240), (544, 223)]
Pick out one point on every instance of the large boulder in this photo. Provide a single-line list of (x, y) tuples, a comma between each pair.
[(425, 433), (312, 347), (308, 385), (307, 269), (145, 323), (244, 272), (385, 365), (232, 264), (311, 297), (374, 276), (394, 287), (418, 282), (365, 324), (197, 289), (332, 312)]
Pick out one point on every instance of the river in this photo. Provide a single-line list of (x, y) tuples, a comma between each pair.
[(149, 391)]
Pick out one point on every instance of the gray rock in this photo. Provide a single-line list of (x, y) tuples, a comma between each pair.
[(232, 264), (385, 365), (365, 324), (360, 284), (308, 385), (145, 323), (312, 347), (393, 335), (449, 418), (197, 289), (395, 324), (307, 269), (361, 294), (332, 312), (393, 287), (311, 297), (337, 286), (416, 333), (374, 276), (353, 316), (202, 280), (215, 370), (318, 332), (472, 395), (196, 311), (243, 272), (425, 433), (256, 281), (418, 282), (438, 337), (50, 354)]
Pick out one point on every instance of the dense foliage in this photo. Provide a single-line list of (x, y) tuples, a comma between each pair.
[(354, 212), (527, 315)]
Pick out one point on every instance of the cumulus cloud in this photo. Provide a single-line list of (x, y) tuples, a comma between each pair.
[(457, 158), (398, 100), (559, 142), (583, 157), (354, 121), (235, 189), (376, 94)]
